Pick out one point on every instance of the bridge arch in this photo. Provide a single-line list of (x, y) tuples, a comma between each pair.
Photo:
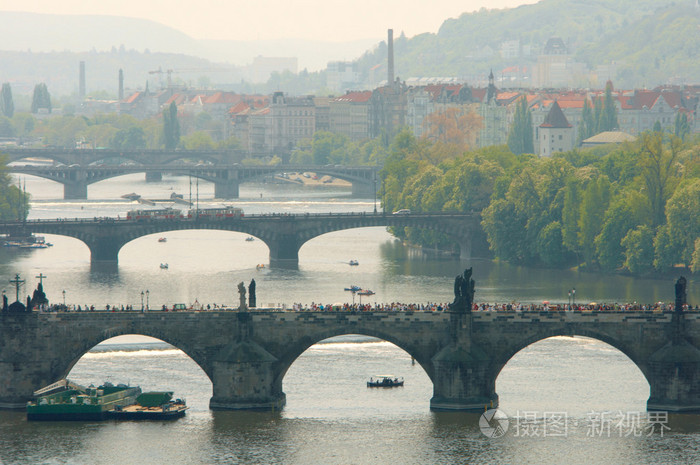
[(586, 370), (300, 346), (73, 356), (513, 347)]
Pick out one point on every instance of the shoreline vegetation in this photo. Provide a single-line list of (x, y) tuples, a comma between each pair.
[(632, 208)]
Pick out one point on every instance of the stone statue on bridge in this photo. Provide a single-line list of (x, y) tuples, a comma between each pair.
[(464, 292), (681, 295), (39, 297), (241, 294), (252, 300)]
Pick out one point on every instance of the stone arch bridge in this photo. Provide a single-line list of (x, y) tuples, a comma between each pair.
[(283, 234), (247, 354)]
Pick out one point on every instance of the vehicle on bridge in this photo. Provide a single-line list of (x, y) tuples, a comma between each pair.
[(155, 214), (215, 213), (403, 211)]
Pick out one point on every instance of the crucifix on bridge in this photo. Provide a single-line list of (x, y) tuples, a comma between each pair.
[(17, 282), (41, 278)]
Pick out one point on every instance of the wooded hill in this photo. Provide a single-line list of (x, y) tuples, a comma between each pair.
[(649, 40)]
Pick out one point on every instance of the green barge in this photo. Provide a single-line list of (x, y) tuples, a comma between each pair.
[(74, 402)]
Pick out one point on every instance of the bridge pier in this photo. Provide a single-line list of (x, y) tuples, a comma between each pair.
[(465, 248), (364, 190), (244, 379), (463, 373), (104, 251), (285, 248), (226, 189), (154, 176), (75, 191)]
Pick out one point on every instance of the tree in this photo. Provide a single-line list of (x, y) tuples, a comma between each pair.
[(683, 219), (129, 139), (681, 125), (622, 216), (608, 113), (14, 204), (520, 134), (198, 140), (658, 159), (598, 114), (171, 127), (593, 207), (7, 105), (453, 126), (587, 126), (639, 249), (41, 98), (6, 127)]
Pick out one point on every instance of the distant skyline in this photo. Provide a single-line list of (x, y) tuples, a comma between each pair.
[(325, 20)]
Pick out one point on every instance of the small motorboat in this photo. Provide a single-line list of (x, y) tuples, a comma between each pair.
[(260, 266), (163, 266), (162, 239), (249, 239), (365, 292), (353, 288), (385, 381), (353, 263)]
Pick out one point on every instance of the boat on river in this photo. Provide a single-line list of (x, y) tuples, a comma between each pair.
[(164, 266), (385, 381), (353, 263), (365, 292), (156, 405), (65, 400)]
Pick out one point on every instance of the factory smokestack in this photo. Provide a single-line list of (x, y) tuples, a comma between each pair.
[(390, 58), (121, 85), (81, 82)]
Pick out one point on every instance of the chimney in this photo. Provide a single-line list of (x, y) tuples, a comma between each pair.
[(121, 85), (81, 84), (390, 58)]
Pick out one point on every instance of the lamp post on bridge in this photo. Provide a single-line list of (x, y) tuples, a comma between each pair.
[(569, 298), (573, 296), (147, 299), (64, 298), (142, 301), (375, 192)]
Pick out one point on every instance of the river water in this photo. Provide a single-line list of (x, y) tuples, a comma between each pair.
[(330, 416)]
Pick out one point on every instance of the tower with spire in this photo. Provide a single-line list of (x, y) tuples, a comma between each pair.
[(556, 133)]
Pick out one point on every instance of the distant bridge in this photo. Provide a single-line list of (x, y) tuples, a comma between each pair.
[(85, 157), (283, 234), (226, 178)]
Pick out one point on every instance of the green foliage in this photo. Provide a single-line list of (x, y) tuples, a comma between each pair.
[(608, 112), (587, 126), (198, 140), (7, 105), (683, 219), (171, 127), (575, 208), (639, 249), (6, 127), (41, 98), (520, 135), (14, 204), (129, 139), (681, 126)]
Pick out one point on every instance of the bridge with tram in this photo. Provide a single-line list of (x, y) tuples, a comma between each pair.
[(284, 234), (77, 169)]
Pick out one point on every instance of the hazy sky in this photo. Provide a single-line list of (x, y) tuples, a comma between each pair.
[(334, 20)]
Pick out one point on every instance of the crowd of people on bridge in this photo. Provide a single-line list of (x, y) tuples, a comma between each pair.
[(385, 307)]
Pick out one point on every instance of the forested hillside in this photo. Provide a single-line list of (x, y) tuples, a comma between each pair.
[(630, 33)]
